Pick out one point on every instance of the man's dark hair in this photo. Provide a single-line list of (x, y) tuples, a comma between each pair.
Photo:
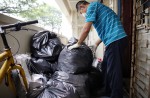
[(81, 2)]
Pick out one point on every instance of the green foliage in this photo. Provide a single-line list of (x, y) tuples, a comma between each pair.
[(17, 6), (31, 10)]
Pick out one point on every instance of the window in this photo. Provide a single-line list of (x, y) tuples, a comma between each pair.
[(142, 10)]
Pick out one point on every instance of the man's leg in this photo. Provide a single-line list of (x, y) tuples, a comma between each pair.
[(114, 77)]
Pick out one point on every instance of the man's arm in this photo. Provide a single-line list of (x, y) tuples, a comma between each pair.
[(96, 45), (84, 32), (98, 42)]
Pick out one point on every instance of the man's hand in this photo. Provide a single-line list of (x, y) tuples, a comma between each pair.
[(74, 46)]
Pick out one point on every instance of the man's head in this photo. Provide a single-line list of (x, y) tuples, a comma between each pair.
[(81, 6)]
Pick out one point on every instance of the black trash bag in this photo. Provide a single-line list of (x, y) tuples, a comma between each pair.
[(52, 89), (78, 81), (75, 61), (35, 89), (39, 65), (72, 41), (94, 81), (47, 45)]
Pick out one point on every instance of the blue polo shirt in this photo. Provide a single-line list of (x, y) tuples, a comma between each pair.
[(106, 22)]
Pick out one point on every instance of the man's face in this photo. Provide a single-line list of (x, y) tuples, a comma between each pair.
[(82, 9)]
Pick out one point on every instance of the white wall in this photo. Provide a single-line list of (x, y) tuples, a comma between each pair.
[(66, 29)]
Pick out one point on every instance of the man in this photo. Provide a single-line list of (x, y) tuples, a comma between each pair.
[(112, 34)]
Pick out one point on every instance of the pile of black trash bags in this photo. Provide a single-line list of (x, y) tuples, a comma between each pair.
[(65, 73)]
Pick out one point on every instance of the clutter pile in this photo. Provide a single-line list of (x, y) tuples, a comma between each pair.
[(57, 72)]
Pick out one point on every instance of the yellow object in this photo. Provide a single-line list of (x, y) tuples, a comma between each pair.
[(8, 66)]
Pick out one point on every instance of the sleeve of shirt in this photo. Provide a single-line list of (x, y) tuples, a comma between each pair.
[(91, 12)]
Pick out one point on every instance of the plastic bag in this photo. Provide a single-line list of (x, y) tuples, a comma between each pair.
[(47, 45), (94, 81), (75, 61), (97, 63), (51, 89), (22, 59), (39, 65), (36, 87), (78, 81), (39, 78)]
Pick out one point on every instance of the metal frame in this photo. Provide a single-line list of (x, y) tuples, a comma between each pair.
[(7, 68)]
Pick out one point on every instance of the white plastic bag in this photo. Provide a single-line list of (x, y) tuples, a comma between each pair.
[(97, 62), (21, 59)]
